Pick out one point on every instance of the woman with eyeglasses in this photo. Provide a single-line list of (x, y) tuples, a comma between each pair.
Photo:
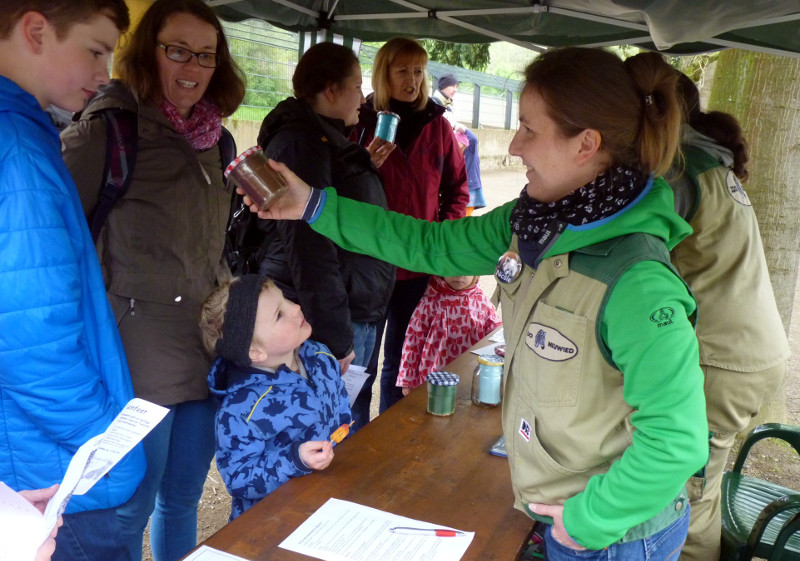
[(161, 246)]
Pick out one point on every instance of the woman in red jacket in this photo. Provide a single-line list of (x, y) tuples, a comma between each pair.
[(423, 177)]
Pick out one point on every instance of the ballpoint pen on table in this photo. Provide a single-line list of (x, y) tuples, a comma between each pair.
[(438, 532)]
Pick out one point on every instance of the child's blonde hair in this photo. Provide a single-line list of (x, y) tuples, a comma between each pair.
[(212, 314)]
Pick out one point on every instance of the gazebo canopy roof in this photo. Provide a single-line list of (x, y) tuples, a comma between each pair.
[(674, 26)]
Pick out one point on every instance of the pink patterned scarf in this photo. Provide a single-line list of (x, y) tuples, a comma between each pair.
[(202, 129)]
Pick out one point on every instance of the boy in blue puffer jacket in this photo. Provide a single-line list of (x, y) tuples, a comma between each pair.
[(63, 373), (281, 396)]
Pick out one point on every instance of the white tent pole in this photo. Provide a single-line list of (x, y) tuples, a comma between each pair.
[(598, 19), (422, 12), (498, 36), (780, 19), (286, 3), (724, 44)]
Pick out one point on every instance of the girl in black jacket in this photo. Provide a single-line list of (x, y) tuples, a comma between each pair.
[(343, 295)]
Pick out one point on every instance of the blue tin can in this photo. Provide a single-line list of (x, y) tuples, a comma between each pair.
[(387, 125)]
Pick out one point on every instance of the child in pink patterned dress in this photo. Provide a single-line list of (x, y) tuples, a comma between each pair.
[(453, 315)]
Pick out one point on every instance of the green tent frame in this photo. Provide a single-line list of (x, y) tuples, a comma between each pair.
[(674, 26)]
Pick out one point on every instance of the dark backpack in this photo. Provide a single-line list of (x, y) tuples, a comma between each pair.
[(121, 141), (244, 247)]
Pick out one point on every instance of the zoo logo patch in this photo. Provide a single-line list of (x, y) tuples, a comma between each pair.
[(735, 189), (549, 343), (662, 316)]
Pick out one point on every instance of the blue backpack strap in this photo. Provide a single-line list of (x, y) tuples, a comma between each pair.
[(121, 138)]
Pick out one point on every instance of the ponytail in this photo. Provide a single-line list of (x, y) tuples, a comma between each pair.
[(659, 127), (721, 127)]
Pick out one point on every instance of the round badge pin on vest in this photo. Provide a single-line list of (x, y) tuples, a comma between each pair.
[(509, 267), (735, 189)]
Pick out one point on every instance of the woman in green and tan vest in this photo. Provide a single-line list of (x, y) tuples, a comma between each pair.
[(743, 346), (603, 412)]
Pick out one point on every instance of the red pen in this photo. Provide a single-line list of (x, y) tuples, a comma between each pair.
[(438, 532)]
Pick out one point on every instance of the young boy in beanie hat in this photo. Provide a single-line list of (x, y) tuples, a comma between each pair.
[(281, 395)]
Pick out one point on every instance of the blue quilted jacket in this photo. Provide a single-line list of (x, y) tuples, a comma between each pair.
[(264, 417), (63, 375)]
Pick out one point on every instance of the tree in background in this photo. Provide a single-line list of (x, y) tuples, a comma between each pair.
[(763, 92), (696, 67), (474, 56)]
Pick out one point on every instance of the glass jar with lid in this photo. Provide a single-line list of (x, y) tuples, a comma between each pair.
[(487, 381), (442, 392)]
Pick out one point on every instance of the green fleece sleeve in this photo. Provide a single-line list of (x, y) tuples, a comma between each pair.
[(646, 326), (468, 246)]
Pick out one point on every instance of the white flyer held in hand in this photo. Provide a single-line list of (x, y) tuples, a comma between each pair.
[(91, 462)]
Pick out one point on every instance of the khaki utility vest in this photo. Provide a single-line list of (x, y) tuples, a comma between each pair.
[(564, 415), (739, 327)]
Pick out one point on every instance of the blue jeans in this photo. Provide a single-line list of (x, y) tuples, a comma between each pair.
[(178, 452), (363, 342), (661, 546), (364, 335), (92, 535), (405, 297), (473, 164), (361, 406)]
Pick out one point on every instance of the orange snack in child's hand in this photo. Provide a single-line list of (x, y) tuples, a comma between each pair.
[(340, 433)]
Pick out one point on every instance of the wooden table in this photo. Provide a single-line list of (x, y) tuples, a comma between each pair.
[(407, 462)]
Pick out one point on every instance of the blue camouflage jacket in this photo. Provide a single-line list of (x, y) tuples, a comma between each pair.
[(264, 417)]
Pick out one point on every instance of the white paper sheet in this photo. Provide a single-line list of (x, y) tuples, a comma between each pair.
[(99, 454), (345, 531), (91, 462), (354, 380), (205, 553), (498, 336), (96, 457), (487, 350), (22, 527)]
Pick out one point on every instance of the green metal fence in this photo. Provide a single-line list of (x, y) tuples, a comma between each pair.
[(268, 55)]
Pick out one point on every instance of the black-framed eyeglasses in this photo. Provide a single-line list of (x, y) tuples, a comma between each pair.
[(184, 55)]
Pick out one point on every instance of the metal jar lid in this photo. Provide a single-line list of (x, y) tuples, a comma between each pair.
[(443, 378), (240, 158), (491, 360)]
